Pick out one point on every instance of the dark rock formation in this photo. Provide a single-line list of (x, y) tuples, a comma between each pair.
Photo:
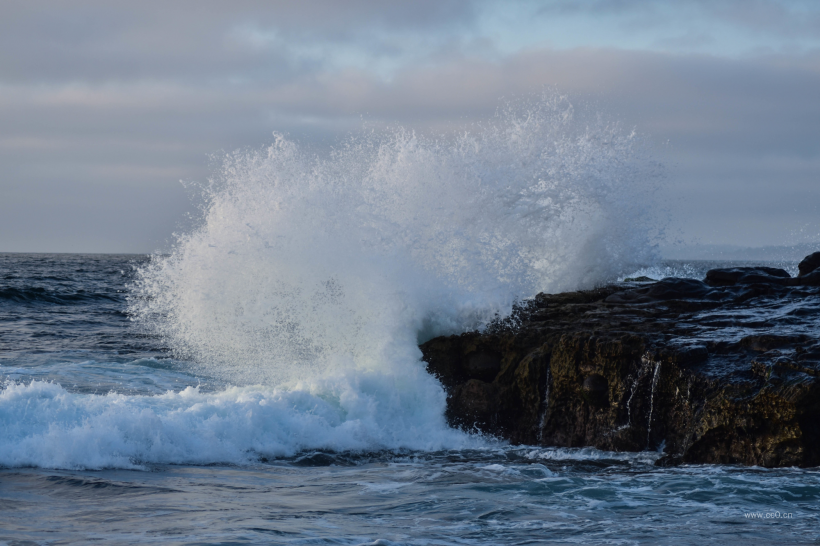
[(809, 264), (746, 275), (722, 371)]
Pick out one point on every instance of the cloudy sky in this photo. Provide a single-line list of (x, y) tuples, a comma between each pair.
[(105, 106)]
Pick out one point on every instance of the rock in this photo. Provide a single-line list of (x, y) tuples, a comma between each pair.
[(665, 289), (809, 264), (719, 372), (669, 461), (483, 366), (761, 369), (642, 278), (746, 275), (596, 390), (681, 355), (809, 279), (473, 404)]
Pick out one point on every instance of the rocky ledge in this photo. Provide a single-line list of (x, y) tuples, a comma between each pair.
[(726, 370)]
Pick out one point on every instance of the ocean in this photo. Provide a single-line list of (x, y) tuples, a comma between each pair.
[(106, 436), (261, 383)]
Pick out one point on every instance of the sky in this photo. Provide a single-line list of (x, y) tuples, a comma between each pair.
[(105, 107)]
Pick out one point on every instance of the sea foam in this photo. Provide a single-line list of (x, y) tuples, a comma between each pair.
[(44, 425)]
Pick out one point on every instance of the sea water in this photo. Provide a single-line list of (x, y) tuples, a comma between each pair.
[(261, 383)]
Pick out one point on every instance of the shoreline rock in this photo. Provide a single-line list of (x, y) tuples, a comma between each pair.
[(722, 371)]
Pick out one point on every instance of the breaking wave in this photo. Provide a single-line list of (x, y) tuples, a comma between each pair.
[(312, 278), (45, 425), (305, 263)]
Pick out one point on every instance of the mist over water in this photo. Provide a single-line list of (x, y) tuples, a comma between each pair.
[(307, 265)]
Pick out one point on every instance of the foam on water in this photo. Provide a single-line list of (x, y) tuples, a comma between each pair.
[(44, 425), (696, 269)]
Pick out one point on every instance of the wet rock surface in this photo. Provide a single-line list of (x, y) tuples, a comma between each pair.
[(809, 264), (721, 371)]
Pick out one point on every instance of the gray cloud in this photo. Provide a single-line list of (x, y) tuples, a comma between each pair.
[(206, 41), (104, 109), (796, 19), (768, 16)]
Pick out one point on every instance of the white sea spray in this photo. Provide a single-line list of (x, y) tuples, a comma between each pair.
[(307, 263), (311, 279)]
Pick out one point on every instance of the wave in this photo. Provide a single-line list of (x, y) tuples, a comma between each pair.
[(42, 295), (311, 280), (305, 263), (44, 425)]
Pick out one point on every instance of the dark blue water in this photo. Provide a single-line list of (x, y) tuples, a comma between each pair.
[(106, 437)]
